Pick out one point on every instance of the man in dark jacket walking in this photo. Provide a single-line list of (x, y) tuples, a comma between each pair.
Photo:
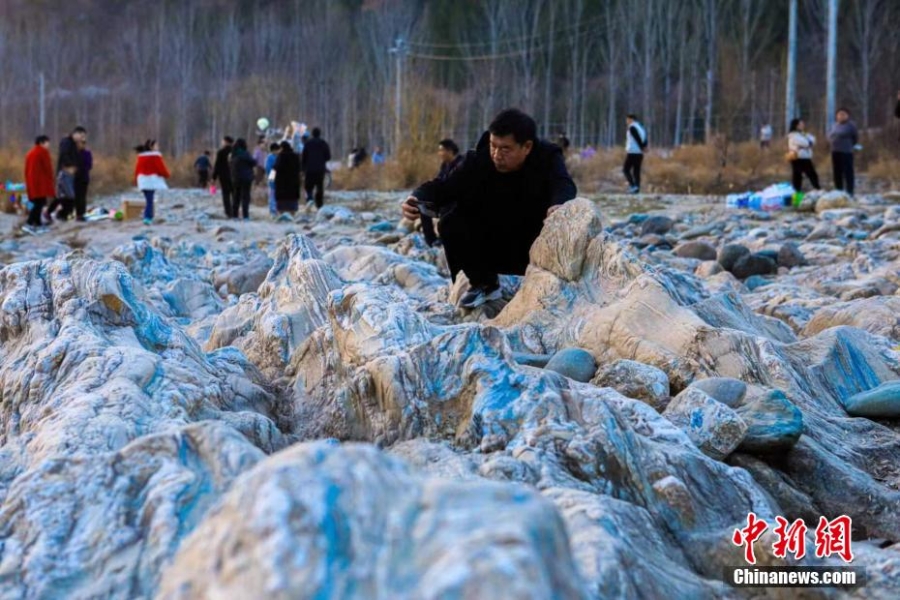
[(897, 108), (493, 206), (314, 163), (222, 175), (70, 154), (450, 157), (243, 167)]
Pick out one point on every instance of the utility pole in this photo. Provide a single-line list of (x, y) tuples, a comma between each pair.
[(790, 100), (399, 51), (43, 111), (831, 88)]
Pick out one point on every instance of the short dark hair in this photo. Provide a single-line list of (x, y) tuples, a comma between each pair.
[(513, 121), (286, 146), (843, 109), (632, 116), (40, 140), (794, 124), (448, 144), (79, 129), (228, 139), (206, 152), (317, 133), (241, 144), (274, 146)]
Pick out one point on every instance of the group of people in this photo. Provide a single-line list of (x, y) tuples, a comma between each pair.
[(843, 138), (235, 170), (59, 193)]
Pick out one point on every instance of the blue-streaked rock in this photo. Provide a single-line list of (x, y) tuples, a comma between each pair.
[(713, 427), (882, 402)]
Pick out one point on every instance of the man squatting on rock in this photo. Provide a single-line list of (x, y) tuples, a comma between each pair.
[(493, 206)]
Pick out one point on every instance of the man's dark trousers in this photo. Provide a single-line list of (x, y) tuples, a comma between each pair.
[(315, 181), (632, 169)]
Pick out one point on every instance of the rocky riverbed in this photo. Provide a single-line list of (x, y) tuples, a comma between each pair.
[(207, 408)]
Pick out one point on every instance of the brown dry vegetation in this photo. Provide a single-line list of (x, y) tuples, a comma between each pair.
[(715, 169)]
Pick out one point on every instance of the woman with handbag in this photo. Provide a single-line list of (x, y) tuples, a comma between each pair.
[(800, 145)]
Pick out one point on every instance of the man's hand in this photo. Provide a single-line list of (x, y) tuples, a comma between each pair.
[(553, 209), (410, 208)]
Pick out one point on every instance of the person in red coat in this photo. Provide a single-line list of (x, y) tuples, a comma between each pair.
[(39, 181), (150, 174)]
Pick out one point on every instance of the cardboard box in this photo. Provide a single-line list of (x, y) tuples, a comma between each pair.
[(133, 209)]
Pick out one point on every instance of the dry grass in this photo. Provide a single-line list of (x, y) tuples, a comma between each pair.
[(718, 168)]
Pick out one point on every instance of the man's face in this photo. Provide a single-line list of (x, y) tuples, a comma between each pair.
[(507, 154), (45, 145), (842, 116), (629, 122), (444, 154), (225, 143), (79, 136)]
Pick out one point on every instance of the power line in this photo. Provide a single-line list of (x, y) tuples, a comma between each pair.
[(512, 40), (495, 56)]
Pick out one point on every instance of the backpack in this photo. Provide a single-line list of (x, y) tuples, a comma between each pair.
[(642, 143)]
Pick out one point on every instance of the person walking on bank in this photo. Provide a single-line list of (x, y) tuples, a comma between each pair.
[(222, 174), (495, 203), (843, 137), (243, 167), (39, 182), (287, 181), (635, 144), (897, 108), (448, 152), (150, 174), (800, 153), (314, 164), (274, 148), (70, 153), (202, 166)]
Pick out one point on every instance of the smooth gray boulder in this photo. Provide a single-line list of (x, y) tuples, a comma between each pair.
[(696, 249), (729, 254), (574, 363), (657, 224), (789, 256), (882, 402), (753, 264), (727, 390)]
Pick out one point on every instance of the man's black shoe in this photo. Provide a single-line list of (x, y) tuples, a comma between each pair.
[(479, 295)]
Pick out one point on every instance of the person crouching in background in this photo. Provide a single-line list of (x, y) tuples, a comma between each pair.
[(150, 174)]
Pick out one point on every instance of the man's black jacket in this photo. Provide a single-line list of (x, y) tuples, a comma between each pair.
[(517, 202), (315, 156), (222, 168)]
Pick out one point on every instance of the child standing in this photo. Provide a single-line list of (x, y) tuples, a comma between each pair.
[(270, 178), (150, 174), (65, 192)]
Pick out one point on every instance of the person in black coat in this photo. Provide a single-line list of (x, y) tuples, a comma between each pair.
[(314, 163), (450, 157), (243, 172), (70, 154), (287, 179), (222, 174), (897, 108), (493, 206)]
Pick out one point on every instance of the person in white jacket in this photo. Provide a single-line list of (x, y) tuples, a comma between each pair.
[(800, 151), (635, 144)]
